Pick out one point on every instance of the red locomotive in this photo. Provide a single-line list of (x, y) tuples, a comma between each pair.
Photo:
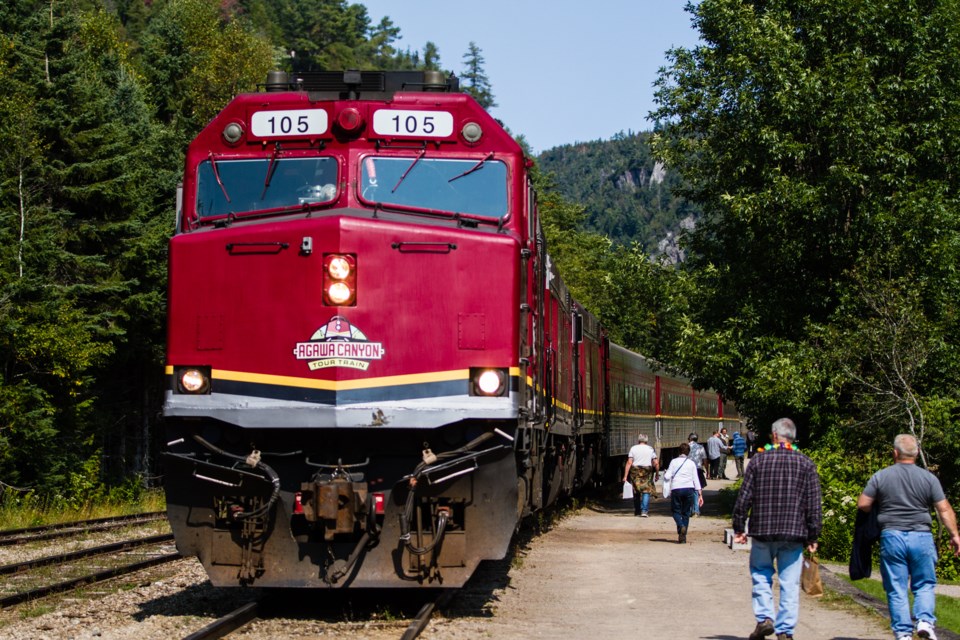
[(374, 370)]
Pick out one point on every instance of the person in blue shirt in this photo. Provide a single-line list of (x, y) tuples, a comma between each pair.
[(739, 447)]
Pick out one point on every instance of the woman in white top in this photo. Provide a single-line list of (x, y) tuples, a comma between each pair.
[(685, 490)]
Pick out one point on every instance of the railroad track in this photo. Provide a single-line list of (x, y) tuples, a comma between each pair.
[(42, 576), (251, 611), (66, 529), (28, 581)]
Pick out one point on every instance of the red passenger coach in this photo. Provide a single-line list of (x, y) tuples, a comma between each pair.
[(374, 371)]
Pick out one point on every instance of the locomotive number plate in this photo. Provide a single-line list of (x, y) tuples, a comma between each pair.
[(293, 122), (417, 124)]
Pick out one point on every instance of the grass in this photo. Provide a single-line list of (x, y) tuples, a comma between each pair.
[(35, 611), (948, 609), (34, 512)]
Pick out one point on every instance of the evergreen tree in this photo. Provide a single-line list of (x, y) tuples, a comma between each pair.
[(474, 77), (77, 205), (196, 58), (431, 57)]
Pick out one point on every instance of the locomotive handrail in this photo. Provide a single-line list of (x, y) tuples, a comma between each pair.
[(455, 473), (278, 246), (473, 455), (216, 481), (421, 247)]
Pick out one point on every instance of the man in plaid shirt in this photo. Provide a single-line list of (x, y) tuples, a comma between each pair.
[(781, 496)]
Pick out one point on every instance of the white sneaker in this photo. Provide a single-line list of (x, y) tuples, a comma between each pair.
[(925, 630), (904, 637)]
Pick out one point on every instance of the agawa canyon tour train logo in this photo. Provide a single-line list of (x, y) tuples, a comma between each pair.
[(338, 344)]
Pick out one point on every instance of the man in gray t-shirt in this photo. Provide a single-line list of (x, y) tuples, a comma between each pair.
[(904, 494)]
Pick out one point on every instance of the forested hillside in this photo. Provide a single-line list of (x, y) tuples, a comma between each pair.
[(628, 195)]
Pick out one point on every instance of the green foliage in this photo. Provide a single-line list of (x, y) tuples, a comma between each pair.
[(818, 137), (578, 254), (196, 59), (33, 508), (727, 496), (330, 34), (843, 475)]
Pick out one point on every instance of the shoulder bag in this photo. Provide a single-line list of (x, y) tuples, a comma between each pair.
[(666, 483)]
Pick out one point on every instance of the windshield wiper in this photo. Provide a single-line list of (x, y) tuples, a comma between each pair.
[(270, 169), (475, 167), (412, 165), (216, 174)]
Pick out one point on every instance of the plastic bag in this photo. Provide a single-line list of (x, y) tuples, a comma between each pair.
[(627, 491), (666, 488), (810, 577)]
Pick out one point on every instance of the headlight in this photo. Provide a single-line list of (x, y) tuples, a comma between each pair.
[(193, 380), (339, 293), (488, 382), (339, 268), (340, 279)]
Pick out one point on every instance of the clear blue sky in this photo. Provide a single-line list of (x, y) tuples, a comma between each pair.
[(562, 71)]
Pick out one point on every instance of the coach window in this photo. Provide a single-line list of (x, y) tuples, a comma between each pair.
[(243, 186), (475, 186)]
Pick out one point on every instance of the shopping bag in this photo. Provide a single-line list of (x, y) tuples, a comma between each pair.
[(810, 577), (666, 488), (627, 491)]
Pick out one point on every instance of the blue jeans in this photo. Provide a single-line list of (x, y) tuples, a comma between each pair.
[(641, 503), (908, 556), (681, 501), (789, 562)]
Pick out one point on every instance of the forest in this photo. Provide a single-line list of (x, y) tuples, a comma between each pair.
[(99, 102), (789, 233)]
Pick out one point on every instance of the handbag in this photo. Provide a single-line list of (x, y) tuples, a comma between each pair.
[(627, 491), (810, 577)]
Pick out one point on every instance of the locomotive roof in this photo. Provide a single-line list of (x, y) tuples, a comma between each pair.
[(355, 85)]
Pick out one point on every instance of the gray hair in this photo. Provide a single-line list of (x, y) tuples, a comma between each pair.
[(906, 445), (785, 429), (642, 437)]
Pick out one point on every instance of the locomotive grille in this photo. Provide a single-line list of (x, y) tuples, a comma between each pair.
[(334, 81), (351, 85)]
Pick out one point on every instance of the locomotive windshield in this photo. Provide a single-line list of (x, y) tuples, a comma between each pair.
[(477, 187), (240, 186)]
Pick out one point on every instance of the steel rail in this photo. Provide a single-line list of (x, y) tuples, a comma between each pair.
[(422, 619), (64, 529), (92, 578), (420, 622), (228, 623), (62, 558)]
